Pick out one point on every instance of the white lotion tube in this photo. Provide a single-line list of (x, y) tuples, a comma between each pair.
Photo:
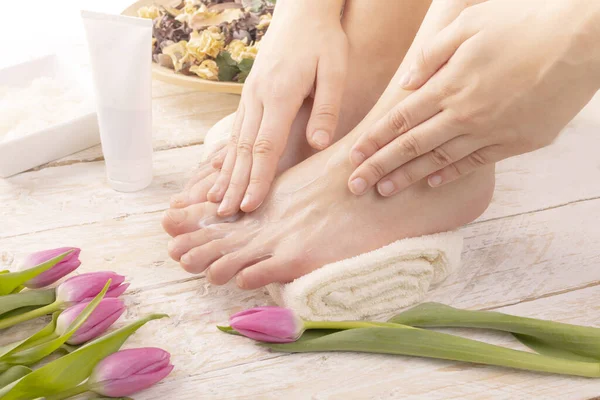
[(121, 60)]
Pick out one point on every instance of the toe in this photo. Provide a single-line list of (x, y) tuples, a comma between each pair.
[(198, 192), (199, 258), (274, 269), (223, 270), (182, 244), (184, 220)]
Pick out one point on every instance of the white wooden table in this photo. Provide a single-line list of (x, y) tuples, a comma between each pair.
[(535, 252)]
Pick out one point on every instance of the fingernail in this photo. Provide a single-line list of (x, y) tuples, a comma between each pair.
[(405, 80), (386, 188), (171, 246), (240, 281), (434, 180), (357, 157), (186, 259), (224, 206), (177, 216), (358, 186), (321, 138), (180, 198), (246, 201)]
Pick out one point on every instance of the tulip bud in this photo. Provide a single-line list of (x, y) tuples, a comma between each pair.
[(63, 268), (103, 316), (86, 286), (268, 324), (129, 371)]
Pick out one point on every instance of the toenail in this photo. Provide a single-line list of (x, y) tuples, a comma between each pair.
[(209, 276), (186, 259), (357, 157), (171, 246), (177, 216), (435, 180), (386, 188), (223, 208), (358, 186), (240, 281)]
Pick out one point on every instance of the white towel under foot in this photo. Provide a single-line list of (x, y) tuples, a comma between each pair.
[(371, 284), (379, 282)]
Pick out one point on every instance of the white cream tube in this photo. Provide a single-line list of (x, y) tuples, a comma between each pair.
[(121, 60)]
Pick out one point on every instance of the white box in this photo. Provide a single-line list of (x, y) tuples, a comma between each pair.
[(58, 140)]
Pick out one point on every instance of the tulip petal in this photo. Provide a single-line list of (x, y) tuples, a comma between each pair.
[(271, 324), (129, 371), (84, 286)]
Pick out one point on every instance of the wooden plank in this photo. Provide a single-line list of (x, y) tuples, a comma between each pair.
[(224, 367), (79, 194)]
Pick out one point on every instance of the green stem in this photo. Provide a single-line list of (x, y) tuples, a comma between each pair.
[(341, 325), (39, 312), (69, 393)]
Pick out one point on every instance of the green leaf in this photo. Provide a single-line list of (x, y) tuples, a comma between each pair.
[(582, 340), (226, 329), (228, 68), (245, 66), (67, 348), (31, 355), (71, 369), (26, 299), (13, 280), (431, 344), (549, 349), (13, 374), (36, 338)]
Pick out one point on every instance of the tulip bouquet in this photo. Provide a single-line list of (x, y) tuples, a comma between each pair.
[(83, 308), (558, 348)]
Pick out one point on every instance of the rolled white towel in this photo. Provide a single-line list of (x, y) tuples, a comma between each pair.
[(371, 284), (379, 282)]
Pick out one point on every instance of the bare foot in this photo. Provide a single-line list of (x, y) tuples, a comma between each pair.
[(311, 219)]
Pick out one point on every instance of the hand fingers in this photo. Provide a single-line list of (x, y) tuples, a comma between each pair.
[(240, 175), (420, 140), (326, 107), (410, 112), (466, 165), (433, 56), (427, 164), (216, 193), (268, 148)]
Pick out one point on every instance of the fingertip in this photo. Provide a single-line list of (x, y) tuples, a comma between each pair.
[(435, 180), (250, 203), (358, 185), (320, 139)]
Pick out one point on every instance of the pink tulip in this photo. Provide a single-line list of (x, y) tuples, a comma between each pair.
[(62, 268), (104, 315), (84, 287), (129, 371), (268, 324)]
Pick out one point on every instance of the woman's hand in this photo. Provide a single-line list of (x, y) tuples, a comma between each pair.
[(303, 53), (503, 79)]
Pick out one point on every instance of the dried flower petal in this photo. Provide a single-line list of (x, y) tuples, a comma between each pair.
[(208, 69)]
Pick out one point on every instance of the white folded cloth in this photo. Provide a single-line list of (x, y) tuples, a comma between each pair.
[(379, 282), (371, 284)]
